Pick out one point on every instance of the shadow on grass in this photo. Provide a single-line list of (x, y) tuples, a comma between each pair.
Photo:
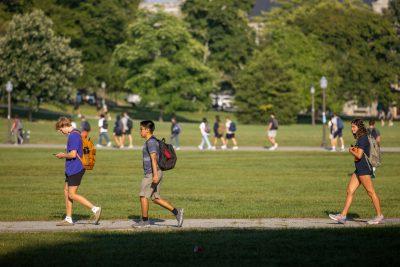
[(137, 218), (316, 247)]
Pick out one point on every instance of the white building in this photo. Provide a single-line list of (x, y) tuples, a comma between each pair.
[(172, 7)]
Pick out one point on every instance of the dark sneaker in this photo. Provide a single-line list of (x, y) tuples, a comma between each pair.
[(179, 217), (141, 224), (376, 220), (97, 216), (338, 218), (64, 223)]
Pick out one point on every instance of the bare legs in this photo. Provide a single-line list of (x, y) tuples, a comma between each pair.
[(354, 183), (70, 194), (144, 203)]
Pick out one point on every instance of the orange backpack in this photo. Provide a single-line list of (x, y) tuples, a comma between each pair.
[(89, 153)]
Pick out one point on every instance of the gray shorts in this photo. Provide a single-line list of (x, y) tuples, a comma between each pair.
[(148, 189)]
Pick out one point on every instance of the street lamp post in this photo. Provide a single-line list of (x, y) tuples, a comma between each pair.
[(9, 88), (324, 85), (312, 91)]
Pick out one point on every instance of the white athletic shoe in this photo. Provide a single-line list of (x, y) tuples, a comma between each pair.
[(130, 146), (200, 147), (178, 148), (376, 220), (109, 144), (223, 147), (235, 148), (98, 145), (213, 148)]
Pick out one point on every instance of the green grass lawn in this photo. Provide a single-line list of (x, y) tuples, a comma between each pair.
[(307, 247), (42, 132), (222, 184)]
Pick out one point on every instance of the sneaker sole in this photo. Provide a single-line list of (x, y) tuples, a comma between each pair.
[(180, 222), (336, 220), (97, 218)]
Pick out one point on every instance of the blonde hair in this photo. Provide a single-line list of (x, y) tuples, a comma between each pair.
[(63, 122)]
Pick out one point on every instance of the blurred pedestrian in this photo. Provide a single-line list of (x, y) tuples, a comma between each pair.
[(204, 131), (103, 131), (337, 132), (117, 132), (85, 127), (175, 132), (389, 116), (127, 125), (230, 127), (219, 130), (272, 130), (17, 130), (374, 132)]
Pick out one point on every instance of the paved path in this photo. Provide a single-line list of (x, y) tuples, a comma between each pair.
[(193, 148), (270, 223)]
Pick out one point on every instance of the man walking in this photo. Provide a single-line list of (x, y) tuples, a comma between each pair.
[(272, 131), (230, 127), (74, 172), (175, 132), (103, 131), (374, 132), (126, 129), (153, 176), (337, 132), (85, 127)]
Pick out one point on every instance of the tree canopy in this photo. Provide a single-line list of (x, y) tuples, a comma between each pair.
[(41, 65), (222, 26), (163, 63)]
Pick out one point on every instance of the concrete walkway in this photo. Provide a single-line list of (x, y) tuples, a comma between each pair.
[(270, 223), (193, 148)]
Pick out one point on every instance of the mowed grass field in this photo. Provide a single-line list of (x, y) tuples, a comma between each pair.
[(43, 132), (219, 184)]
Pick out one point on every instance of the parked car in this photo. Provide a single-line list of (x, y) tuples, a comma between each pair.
[(133, 99), (223, 101)]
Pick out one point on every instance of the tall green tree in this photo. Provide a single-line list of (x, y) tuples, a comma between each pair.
[(264, 88), (222, 26), (163, 64), (41, 64), (95, 27)]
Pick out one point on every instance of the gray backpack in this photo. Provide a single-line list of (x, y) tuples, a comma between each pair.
[(374, 157)]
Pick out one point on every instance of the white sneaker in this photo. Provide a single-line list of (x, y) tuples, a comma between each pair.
[(130, 146), (109, 144), (200, 147), (272, 148), (342, 149), (98, 145), (276, 145), (121, 146), (223, 147), (235, 148), (376, 220), (213, 148), (333, 149), (178, 148)]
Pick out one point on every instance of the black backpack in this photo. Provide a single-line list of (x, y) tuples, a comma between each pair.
[(105, 124), (129, 124), (167, 156)]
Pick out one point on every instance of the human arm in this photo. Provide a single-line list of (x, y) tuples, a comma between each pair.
[(356, 152), (154, 166), (70, 155)]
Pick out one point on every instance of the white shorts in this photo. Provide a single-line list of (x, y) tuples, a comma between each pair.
[(272, 133)]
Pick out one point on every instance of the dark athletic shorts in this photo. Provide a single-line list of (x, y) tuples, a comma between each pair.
[(128, 132), (75, 179), (338, 133), (217, 135), (230, 136)]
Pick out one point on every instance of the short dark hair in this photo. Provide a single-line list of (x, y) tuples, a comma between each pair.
[(371, 122), (148, 125), (102, 115)]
